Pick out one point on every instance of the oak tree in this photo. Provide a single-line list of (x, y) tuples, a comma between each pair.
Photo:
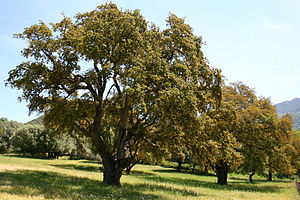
[(216, 144), (109, 75), (263, 136), (280, 156)]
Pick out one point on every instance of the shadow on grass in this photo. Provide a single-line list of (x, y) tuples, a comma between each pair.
[(53, 185), (98, 168), (138, 173), (182, 172), (241, 186), (90, 162), (260, 180), (87, 168), (27, 156)]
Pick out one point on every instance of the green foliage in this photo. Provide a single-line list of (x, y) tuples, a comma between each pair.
[(295, 142), (137, 92), (35, 140), (7, 129), (262, 137)]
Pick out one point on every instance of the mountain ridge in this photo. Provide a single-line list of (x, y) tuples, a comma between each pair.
[(292, 107)]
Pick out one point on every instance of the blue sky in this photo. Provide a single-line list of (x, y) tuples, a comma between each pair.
[(257, 41)]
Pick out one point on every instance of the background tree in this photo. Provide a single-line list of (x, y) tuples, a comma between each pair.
[(160, 78), (257, 124), (216, 144), (295, 142), (222, 129), (244, 99), (282, 151), (262, 135), (24, 139), (7, 129), (37, 141)]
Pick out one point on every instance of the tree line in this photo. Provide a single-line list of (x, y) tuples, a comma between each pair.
[(33, 139), (139, 92)]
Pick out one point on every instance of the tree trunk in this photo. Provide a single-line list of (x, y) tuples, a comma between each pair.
[(114, 162), (222, 172), (206, 170), (128, 170), (112, 172), (179, 165), (270, 178), (250, 177), (193, 169), (112, 176), (129, 167)]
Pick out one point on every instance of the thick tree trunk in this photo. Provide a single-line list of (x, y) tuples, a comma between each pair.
[(114, 162), (112, 172), (222, 172), (112, 168), (250, 177), (270, 178), (112, 176)]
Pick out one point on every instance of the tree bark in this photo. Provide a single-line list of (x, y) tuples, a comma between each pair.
[(112, 166), (222, 172), (112, 176), (250, 177), (270, 178), (112, 171)]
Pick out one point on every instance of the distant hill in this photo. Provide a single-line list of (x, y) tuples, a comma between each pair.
[(292, 107), (37, 121)]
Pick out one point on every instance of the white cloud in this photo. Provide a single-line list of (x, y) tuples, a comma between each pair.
[(274, 26)]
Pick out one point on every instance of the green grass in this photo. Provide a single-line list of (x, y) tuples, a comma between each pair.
[(25, 178)]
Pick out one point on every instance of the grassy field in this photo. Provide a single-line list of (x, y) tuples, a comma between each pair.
[(24, 178)]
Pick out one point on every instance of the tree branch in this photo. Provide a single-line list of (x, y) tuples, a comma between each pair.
[(49, 57), (83, 130), (109, 91), (117, 85)]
